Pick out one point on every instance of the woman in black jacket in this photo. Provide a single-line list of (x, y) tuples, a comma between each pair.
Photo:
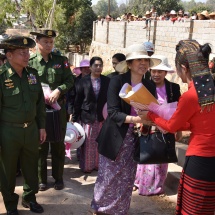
[(113, 188), (91, 95)]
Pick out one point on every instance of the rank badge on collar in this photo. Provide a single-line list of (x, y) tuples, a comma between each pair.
[(32, 79)]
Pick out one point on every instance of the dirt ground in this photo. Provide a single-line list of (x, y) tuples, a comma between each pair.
[(75, 198)]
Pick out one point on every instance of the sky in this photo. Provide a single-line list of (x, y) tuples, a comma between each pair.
[(124, 1)]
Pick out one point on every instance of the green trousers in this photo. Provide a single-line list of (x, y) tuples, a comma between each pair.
[(18, 143), (57, 154)]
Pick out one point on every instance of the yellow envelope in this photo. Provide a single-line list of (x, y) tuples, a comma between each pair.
[(139, 94)]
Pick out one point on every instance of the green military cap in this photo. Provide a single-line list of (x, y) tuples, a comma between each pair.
[(44, 33), (17, 42)]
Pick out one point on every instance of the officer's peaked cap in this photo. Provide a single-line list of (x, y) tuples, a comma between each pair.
[(17, 42), (44, 33)]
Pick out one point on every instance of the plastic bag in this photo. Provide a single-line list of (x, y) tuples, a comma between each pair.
[(47, 91), (165, 110)]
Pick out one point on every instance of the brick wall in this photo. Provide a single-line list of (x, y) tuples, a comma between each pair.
[(112, 37)]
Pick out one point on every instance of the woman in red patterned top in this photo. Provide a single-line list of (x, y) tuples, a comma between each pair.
[(195, 112)]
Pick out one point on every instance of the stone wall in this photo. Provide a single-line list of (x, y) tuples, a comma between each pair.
[(112, 37)]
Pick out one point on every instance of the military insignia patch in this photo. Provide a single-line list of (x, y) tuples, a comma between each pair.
[(8, 80), (66, 64), (49, 33), (25, 41), (57, 66), (32, 79), (9, 83), (10, 71)]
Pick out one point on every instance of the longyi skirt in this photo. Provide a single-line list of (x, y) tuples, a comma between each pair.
[(196, 193), (114, 184)]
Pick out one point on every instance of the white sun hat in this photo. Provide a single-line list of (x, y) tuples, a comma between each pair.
[(164, 65), (75, 135), (172, 12), (136, 51)]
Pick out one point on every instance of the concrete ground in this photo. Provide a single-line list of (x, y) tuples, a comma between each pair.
[(75, 198)]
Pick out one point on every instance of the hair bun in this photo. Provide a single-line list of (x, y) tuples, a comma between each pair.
[(206, 50)]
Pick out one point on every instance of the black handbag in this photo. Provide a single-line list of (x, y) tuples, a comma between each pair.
[(155, 148), (53, 126)]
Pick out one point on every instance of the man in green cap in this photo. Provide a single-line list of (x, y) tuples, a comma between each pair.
[(53, 70), (22, 123)]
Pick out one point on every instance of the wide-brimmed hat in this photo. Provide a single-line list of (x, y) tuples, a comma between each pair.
[(204, 13), (83, 63), (147, 13), (149, 46), (212, 14), (136, 51), (172, 12), (17, 42), (75, 135), (44, 33), (164, 65)]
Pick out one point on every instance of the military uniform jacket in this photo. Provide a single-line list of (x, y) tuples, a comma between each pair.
[(56, 72), (21, 98)]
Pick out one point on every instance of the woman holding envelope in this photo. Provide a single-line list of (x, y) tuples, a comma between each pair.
[(113, 188), (195, 112), (150, 178)]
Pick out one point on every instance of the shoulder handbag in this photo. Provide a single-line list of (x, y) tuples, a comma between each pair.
[(155, 148)]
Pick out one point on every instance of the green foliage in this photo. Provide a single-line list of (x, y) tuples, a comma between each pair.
[(101, 8), (39, 10), (211, 4), (141, 6), (83, 27), (8, 7), (72, 6), (199, 9)]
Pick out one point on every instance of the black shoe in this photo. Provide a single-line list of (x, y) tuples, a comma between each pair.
[(42, 187), (13, 212), (59, 185), (34, 206)]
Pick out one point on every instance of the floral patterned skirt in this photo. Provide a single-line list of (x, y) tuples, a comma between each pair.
[(150, 178), (113, 187)]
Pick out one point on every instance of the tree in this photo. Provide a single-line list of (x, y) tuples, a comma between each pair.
[(8, 7), (141, 6), (211, 4), (199, 9), (83, 27), (101, 8)]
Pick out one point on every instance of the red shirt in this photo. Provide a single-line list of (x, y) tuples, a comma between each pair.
[(188, 116)]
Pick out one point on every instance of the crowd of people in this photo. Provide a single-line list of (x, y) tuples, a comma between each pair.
[(110, 140), (168, 15)]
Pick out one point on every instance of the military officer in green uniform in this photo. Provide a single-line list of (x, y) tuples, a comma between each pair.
[(53, 70), (22, 123)]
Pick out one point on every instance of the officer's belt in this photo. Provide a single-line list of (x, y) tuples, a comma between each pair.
[(19, 125)]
